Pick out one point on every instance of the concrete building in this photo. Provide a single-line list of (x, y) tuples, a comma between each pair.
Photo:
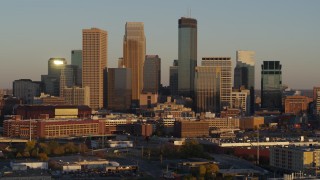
[(148, 100), (68, 77), (47, 99), (54, 111), (187, 55), (191, 129), (94, 61), (226, 79), (207, 88), (119, 89), (77, 95), (152, 74), (172, 110), (295, 159), (145, 130), (174, 78), (271, 85), (223, 123), (134, 52), (46, 128), (252, 122), (296, 104), (241, 100), (244, 74), (26, 89)]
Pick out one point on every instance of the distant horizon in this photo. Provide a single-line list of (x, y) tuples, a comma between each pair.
[(34, 31)]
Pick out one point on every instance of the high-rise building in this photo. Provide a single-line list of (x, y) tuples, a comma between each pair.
[(174, 78), (187, 55), (76, 59), (52, 80), (152, 73), (26, 89), (55, 65), (271, 85), (134, 52), (207, 89), (226, 80), (119, 89), (244, 74), (94, 61), (241, 100), (68, 77), (76, 95)]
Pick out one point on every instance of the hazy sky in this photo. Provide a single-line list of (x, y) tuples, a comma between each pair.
[(289, 31)]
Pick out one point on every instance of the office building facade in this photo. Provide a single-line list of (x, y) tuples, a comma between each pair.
[(226, 79), (119, 89), (207, 89), (76, 60), (26, 89), (94, 61), (174, 78), (76, 95), (134, 52), (187, 55), (244, 74), (152, 74), (271, 85)]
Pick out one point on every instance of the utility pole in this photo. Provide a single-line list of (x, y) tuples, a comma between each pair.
[(30, 129), (258, 149)]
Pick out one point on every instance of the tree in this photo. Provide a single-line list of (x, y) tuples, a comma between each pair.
[(18, 155), (202, 170), (43, 157), (70, 147), (44, 148), (58, 150)]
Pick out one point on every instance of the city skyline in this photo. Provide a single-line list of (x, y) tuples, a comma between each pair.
[(283, 31)]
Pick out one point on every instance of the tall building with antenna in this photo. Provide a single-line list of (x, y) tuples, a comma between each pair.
[(187, 55)]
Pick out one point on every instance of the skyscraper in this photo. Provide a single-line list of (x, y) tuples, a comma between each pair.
[(119, 89), (174, 78), (134, 52), (226, 80), (271, 85), (207, 89), (52, 80), (94, 61), (76, 59), (55, 65), (244, 74), (26, 89), (152, 74), (68, 77), (187, 55)]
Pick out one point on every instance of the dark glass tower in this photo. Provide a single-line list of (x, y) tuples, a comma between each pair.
[(187, 56), (271, 85), (244, 74)]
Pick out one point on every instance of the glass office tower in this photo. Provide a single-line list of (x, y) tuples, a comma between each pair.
[(271, 85), (244, 74), (187, 56)]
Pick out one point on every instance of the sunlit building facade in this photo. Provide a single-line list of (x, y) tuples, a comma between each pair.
[(94, 61), (134, 52), (226, 79)]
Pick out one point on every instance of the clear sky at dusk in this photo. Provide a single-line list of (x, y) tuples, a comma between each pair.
[(33, 31)]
